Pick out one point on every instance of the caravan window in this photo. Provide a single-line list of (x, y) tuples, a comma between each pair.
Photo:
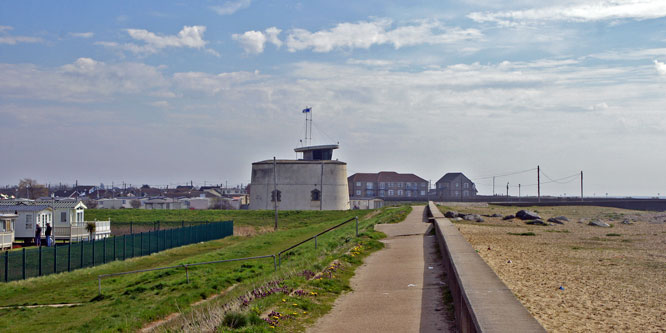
[(63, 217)]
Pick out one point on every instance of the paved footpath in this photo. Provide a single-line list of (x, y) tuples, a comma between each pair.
[(397, 289)]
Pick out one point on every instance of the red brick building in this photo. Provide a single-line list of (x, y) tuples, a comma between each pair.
[(388, 185)]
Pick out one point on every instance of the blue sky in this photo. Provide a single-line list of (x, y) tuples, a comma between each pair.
[(167, 92)]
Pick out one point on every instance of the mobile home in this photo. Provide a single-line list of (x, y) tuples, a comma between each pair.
[(7, 222)]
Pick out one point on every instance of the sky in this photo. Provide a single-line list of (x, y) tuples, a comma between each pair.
[(164, 93)]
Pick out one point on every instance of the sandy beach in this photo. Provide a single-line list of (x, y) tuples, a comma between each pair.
[(611, 279)]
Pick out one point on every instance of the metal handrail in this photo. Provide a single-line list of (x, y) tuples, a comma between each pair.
[(276, 262), (187, 274), (315, 237)]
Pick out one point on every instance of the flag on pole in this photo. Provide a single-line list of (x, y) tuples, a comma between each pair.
[(306, 110)]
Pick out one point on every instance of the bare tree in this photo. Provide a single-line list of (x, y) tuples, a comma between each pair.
[(135, 203), (29, 188)]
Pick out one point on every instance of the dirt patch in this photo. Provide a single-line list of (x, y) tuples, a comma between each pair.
[(150, 327), (251, 231)]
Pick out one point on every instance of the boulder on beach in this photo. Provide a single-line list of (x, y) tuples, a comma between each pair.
[(558, 219), (599, 223), (473, 217), (527, 215), (537, 222), (458, 219), (451, 214), (626, 221), (509, 217), (497, 215)]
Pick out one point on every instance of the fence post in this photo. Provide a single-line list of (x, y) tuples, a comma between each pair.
[(24, 263), (164, 246), (124, 247), (356, 226), (149, 247), (69, 257), (6, 266), (93, 253), (81, 264), (133, 245), (131, 229), (40, 261), (141, 243), (274, 263), (55, 259), (103, 250), (114, 248)]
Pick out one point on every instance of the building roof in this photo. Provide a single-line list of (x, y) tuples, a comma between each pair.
[(451, 176), (320, 147), (299, 162), (23, 208), (56, 203), (386, 176)]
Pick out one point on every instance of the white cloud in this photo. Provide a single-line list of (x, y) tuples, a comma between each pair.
[(579, 12), (370, 62), (254, 41), (160, 104), (188, 37), (251, 41), (82, 34), (272, 36), (366, 34), (231, 7), (6, 38), (660, 67), (84, 80), (212, 84)]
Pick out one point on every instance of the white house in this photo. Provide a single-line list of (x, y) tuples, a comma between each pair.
[(7, 222), (195, 203), (115, 203), (367, 203), (67, 217), (163, 203), (28, 217)]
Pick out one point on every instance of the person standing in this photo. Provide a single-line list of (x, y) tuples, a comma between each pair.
[(38, 235), (49, 240)]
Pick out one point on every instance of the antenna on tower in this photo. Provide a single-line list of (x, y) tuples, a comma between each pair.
[(308, 128)]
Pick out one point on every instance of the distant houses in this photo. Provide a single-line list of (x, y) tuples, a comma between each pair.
[(388, 185), (455, 186)]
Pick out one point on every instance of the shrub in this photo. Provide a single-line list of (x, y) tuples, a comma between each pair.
[(234, 320)]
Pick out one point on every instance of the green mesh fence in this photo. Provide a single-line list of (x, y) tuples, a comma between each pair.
[(33, 262)]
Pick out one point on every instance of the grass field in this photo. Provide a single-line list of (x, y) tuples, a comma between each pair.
[(245, 221), (129, 302)]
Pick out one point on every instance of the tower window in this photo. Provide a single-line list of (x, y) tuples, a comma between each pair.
[(279, 196), (315, 195)]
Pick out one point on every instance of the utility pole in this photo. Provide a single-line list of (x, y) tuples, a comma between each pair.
[(538, 184), (493, 185), (275, 192), (581, 185), (507, 190), (518, 192)]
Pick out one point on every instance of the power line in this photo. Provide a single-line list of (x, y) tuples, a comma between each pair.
[(506, 174)]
